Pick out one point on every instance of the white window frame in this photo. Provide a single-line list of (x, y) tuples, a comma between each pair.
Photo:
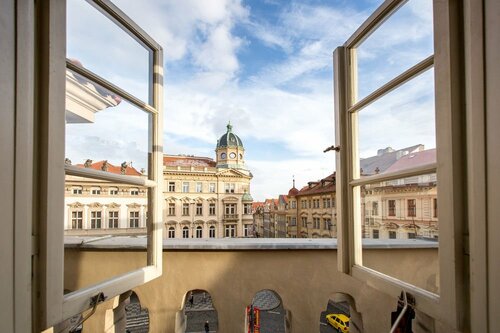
[(185, 187), (211, 208), (113, 191), (199, 232), (211, 187), (447, 306), (55, 306), (199, 187), (171, 232), (113, 219), (211, 232), (185, 232), (171, 186)]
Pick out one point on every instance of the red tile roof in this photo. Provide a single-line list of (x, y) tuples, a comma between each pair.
[(129, 171), (183, 160), (413, 160), (325, 185)]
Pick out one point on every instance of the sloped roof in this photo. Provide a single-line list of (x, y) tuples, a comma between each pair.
[(384, 159), (129, 171), (185, 160), (325, 185), (413, 160)]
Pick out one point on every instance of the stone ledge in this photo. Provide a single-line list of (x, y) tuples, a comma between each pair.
[(234, 244)]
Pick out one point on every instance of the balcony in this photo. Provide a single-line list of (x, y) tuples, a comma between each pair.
[(303, 272), (231, 217)]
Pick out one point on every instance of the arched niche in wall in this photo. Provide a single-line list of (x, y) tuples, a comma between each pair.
[(268, 312), (137, 317), (197, 311), (340, 312)]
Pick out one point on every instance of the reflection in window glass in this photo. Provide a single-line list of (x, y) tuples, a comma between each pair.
[(405, 220), (401, 42), (96, 43), (395, 130)]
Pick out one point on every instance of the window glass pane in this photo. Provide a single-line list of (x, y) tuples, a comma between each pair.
[(100, 220), (398, 131), (403, 230), (104, 131), (405, 39), (98, 44)]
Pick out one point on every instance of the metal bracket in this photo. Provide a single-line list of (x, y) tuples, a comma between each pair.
[(405, 300), (94, 301), (336, 148)]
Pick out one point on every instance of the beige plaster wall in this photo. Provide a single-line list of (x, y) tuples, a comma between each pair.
[(305, 280)]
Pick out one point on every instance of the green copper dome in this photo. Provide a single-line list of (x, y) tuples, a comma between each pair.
[(246, 197), (229, 139)]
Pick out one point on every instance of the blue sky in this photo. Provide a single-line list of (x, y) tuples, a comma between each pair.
[(266, 66)]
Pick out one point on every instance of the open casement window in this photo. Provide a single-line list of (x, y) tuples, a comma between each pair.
[(395, 87), (86, 96)]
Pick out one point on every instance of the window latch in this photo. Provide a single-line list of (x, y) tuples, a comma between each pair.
[(94, 301), (336, 148)]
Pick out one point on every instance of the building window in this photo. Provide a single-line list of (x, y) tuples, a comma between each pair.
[(392, 235), (435, 204), (171, 209), (171, 186), (246, 230), (375, 233), (95, 191), (229, 187), (412, 207), (247, 209), (230, 209), (134, 219), (411, 235), (211, 209), (293, 203), (309, 204), (327, 223), (185, 187), (199, 209), (199, 232), (293, 221), (392, 207), (171, 232), (375, 208), (95, 220), (113, 191), (113, 219), (134, 191), (316, 222), (185, 209), (77, 190), (199, 187), (304, 222), (211, 232), (185, 232), (77, 219), (211, 187), (230, 230)]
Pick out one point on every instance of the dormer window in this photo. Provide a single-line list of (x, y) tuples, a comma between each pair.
[(77, 190), (134, 191), (95, 191)]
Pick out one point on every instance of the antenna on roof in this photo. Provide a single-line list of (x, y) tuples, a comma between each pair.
[(293, 176)]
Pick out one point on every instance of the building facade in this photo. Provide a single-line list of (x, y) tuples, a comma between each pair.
[(206, 198), (95, 207), (403, 208)]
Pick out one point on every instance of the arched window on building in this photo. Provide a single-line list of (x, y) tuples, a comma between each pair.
[(199, 232), (211, 232), (171, 232), (185, 232)]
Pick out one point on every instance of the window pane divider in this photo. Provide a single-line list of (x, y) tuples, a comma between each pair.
[(427, 301), (89, 75), (74, 302), (383, 12), (108, 176), (394, 83), (424, 169)]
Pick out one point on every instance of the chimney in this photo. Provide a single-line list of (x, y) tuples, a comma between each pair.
[(88, 163), (104, 166)]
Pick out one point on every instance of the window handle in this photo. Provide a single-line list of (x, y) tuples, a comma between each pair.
[(336, 148)]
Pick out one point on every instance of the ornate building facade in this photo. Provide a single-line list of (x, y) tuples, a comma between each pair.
[(206, 198), (97, 208)]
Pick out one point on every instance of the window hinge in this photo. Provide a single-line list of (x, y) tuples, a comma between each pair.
[(94, 301)]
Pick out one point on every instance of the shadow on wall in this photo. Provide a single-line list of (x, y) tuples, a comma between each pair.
[(267, 314), (198, 313), (340, 315)]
